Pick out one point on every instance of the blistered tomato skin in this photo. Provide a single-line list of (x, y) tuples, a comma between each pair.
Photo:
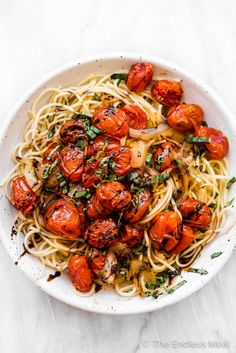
[(107, 144), (102, 233), (122, 161), (23, 197), (165, 232), (62, 218), (93, 174), (195, 212), (167, 92), (218, 145), (95, 210), (140, 76), (97, 260), (112, 195), (187, 237), (137, 117), (132, 236), (80, 274), (112, 121), (72, 163), (52, 153), (163, 157), (135, 213), (185, 117), (72, 131)]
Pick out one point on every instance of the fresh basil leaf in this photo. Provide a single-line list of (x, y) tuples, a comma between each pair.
[(196, 139), (230, 183), (96, 97), (119, 76), (200, 271), (213, 205), (174, 288), (216, 254)]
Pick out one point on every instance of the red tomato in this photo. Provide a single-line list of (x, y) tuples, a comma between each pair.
[(132, 236), (196, 213), (72, 131), (97, 260), (136, 212), (165, 232), (72, 163), (102, 233), (187, 238), (95, 210), (93, 174), (82, 216), (53, 152), (111, 145), (62, 218), (122, 161), (218, 145), (23, 197), (164, 156), (185, 117), (140, 76), (137, 117), (112, 195), (167, 92), (112, 121), (80, 274)]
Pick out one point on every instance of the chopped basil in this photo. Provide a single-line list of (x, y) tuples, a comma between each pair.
[(213, 205), (52, 151), (119, 76), (149, 159), (216, 254), (200, 271), (80, 144), (48, 169), (62, 183), (104, 162), (160, 281), (64, 190), (195, 139), (230, 183), (122, 273), (51, 132), (229, 203), (96, 97), (93, 131), (83, 193), (204, 123), (139, 250), (174, 288), (161, 177)]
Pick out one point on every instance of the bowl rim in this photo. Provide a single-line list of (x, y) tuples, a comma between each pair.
[(114, 56)]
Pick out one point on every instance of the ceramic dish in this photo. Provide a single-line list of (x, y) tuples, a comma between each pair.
[(107, 301)]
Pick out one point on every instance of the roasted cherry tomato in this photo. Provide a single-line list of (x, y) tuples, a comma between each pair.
[(138, 207), (165, 232), (72, 163), (112, 195), (83, 218), (93, 173), (196, 213), (132, 236), (97, 260), (72, 131), (185, 117), (53, 152), (218, 144), (122, 161), (23, 197), (186, 239), (164, 156), (137, 117), (112, 121), (62, 218), (102, 233), (80, 274), (106, 144), (95, 210), (140, 76), (167, 92)]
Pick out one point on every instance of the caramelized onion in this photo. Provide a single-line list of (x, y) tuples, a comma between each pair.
[(148, 134)]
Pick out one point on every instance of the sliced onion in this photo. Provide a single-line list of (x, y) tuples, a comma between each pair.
[(148, 134), (139, 150), (29, 173)]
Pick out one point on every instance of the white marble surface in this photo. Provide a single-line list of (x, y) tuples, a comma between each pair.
[(35, 37)]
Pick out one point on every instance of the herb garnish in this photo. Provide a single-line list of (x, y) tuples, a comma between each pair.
[(230, 183), (96, 97), (119, 76), (195, 139), (216, 254), (200, 271), (149, 159), (177, 286), (213, 205), (48, 169), (52, 151), (62, 182), (51, 132), (161, 177), (93, 131), (139, 250)]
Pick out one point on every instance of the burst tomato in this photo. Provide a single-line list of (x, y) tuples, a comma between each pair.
[(23, 197), (196, 213), (185, 117), (137, 117), (102, 233), (167, 92), (138, 207), (112, 121), (72, 131), (112, 195), (72, 163), (80, 274), (132, 236), (218, 144), (140, 76), (163, 156)]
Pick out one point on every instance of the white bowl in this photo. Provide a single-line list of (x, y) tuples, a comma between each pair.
[(195, 91)]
